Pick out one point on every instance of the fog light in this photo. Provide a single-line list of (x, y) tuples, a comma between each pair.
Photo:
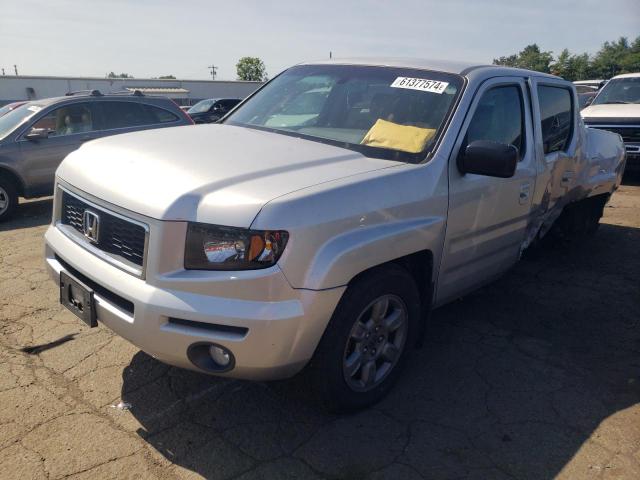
[(219, 355), (211, 357)]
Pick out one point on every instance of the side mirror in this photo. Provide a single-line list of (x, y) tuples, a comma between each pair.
[(492, 159), (37, 134)]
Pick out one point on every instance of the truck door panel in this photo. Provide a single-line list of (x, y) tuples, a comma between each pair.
[(488, 216), (558, 144)]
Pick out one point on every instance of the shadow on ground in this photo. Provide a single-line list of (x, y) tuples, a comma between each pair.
[(31, 213), (512, 382)]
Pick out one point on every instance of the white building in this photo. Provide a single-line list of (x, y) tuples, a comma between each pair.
[(183, 92)]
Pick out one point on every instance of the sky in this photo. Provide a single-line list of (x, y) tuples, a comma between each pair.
[(148, 38)]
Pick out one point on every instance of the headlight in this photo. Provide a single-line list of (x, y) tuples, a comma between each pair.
[(211, 247)]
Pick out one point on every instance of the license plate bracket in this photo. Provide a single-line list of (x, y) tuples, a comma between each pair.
[(78, 298)]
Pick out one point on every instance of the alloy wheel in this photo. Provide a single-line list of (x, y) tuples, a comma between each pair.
[(375, 343)]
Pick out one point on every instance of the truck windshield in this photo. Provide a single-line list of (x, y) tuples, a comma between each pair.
[(15, 118), (619, 90), (383, 112)]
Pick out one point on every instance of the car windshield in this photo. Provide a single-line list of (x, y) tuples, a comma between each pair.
[(202, 106), (15, 118), (619, 90), (7, 108), (383, 112)]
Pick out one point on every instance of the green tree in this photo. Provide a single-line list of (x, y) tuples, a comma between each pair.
[(251, 69), (608, 61), (612, 59), (631, 61), (121, 75), (531, 57), (167, 77), (571, 67)]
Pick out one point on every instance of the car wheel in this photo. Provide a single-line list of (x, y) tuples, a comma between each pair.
[(8, 199), (364, 347)]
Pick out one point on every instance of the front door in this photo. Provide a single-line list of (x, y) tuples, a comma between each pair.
[(488, 216), (69, 126)]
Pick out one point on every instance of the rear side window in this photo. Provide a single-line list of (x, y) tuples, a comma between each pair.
[(556, 115), (125, 115), (499, 118), (160, 115)]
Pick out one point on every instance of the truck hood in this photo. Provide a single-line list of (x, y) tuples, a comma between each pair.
[(218, 174), (611, 110)]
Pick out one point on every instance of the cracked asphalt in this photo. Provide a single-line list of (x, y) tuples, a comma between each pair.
[(535, 376)]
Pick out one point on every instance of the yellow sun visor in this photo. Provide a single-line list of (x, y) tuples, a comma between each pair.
[(398, 137)]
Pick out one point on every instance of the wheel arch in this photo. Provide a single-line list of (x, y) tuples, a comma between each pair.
[(11, 175)]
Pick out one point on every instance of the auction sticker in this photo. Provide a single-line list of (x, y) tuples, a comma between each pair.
[(422, 84)]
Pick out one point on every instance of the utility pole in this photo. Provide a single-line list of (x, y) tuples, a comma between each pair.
[(330, 54), (15, 68), (3, 71), (213, 69)]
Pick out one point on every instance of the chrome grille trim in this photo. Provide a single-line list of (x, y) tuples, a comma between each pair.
[(71, 226)]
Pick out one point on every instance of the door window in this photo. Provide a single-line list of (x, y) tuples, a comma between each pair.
[(556, 115), (160, 115), (499, 117), (228, 104), (67, 120), (125, 115)]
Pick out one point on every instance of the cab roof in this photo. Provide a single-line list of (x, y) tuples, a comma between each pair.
[(466, 69)]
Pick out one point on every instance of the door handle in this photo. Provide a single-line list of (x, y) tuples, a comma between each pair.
[(525, 188)]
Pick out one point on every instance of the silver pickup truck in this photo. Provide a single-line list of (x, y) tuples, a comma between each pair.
[(324, 217)]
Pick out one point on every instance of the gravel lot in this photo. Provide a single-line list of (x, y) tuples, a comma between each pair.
[(536, 376)]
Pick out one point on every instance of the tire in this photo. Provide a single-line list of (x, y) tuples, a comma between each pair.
[(8, 199), (338, 351), (595, 214), (579, 220)]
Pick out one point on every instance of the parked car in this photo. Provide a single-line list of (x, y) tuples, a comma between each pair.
[(616, 108), (585, 99), (10, 106), (586, 89), (305, 232), (212, 109), (597, 84), (36, 137)]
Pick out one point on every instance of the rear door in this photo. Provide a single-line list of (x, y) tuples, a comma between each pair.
[(556, 117), (488, 216), (70, 126)]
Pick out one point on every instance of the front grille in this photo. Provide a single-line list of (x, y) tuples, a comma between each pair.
[(629, 133), (115, 235)]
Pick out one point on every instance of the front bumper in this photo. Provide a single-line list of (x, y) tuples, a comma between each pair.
[(279, 326)]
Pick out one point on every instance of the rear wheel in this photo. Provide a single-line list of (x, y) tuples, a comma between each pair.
[(8, 199), (365, 345), (579, 219)]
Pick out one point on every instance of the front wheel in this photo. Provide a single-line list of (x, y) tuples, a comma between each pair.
[(365, 345), (8, 199)]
